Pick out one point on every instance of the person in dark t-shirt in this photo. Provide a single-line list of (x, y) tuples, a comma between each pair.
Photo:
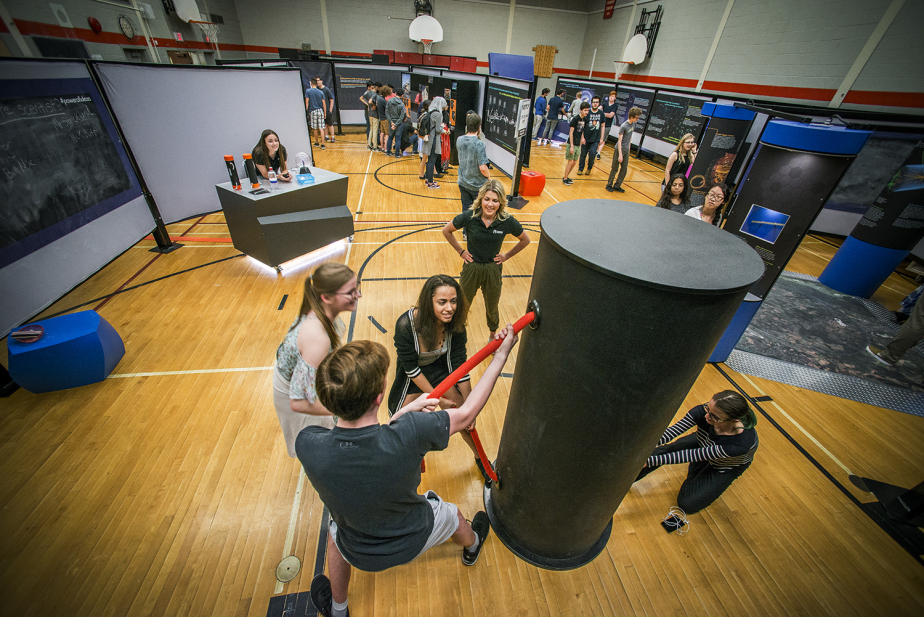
[(367, 474), (575, 138), (609, 108), (552, 118), (593, 126), (270, 154)]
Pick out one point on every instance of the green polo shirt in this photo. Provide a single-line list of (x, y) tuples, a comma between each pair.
[(484, 243)]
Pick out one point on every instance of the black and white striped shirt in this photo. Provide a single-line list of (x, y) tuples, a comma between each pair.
[(722, 451)]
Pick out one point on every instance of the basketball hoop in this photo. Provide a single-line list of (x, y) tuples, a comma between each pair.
[(426, 43), (425, 30), (209, 29)]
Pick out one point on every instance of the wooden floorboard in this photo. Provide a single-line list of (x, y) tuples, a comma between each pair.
[(171, 494)]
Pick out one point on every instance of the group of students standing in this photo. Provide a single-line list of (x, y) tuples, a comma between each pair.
[(389, 128)]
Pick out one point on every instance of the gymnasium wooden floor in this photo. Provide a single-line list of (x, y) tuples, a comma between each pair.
[(166, 489)]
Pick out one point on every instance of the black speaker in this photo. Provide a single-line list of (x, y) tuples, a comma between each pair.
[(380, 59)]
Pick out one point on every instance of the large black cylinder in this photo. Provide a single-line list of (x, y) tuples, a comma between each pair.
[(633, 300)]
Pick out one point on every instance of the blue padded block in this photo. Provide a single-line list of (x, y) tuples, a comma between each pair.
[(76, 350), (859, 268), (819, 138), (735, 329), (717, 110)]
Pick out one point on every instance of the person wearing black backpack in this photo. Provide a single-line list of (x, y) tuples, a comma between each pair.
[(423, 128)]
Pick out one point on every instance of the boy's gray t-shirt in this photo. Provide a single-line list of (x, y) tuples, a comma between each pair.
[(472, 154), (625, 131)]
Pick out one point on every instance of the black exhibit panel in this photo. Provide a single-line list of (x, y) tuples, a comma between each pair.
[(628, 97), (587, 90), (672, 116), (500, 121), (350, 81), (290, 221), (633, 299)]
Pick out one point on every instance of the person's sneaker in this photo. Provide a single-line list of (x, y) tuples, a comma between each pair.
[(568, 181), (877, 353), (580, 172), (322, 146), (316, 145), (321, 595), (610, 188), (433, 185), (481, 525), (484, 473), (901, 317), (598, 156), (619, 189), (439, 175)]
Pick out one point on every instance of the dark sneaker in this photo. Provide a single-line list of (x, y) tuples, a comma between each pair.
[(619, 189), (568, 181), (480, 525), (610, 188), (321, 595), (877, 353), (439, 174), (322, 146), (484, 473)]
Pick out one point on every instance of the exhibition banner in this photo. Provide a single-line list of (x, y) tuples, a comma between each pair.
[(351, 83), (780, 196), (717, 152), (672, 116), (499, 123), (896, 218), (626, 98)]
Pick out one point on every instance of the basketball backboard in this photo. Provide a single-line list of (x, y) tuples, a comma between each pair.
[(636, 50), (426, 28), (187, 10)]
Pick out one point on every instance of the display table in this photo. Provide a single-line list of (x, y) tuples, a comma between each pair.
[(289, 221)]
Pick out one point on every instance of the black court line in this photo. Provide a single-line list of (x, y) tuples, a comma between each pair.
[(875, 515), (133, 287), (283, 303), (376, 175), (377, 325)]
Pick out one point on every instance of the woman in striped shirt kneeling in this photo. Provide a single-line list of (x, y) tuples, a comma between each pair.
[(720, 451)]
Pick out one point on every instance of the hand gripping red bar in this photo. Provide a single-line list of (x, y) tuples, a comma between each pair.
[(471, 363)]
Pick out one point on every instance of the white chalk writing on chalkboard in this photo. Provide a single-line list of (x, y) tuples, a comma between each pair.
[(56, 160)]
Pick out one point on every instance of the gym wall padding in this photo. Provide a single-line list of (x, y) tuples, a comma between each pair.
[(73, 251), (181, 120)]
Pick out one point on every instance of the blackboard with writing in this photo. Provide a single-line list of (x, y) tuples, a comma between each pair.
[(57, 160)]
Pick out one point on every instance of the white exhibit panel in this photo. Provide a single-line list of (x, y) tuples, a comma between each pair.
[(72, 203), (498, 122), (672, 115), (181, 121)]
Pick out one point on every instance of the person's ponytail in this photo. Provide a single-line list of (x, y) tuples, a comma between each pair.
[(327, 279)]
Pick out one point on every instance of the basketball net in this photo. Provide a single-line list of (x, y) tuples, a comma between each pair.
[(621, 67), (427, 43), (210, 30)]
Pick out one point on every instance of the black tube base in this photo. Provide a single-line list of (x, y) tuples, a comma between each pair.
[(541, 561)]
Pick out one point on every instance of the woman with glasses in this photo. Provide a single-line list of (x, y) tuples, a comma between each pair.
[(430, 339), (332, 289), (720, 451), (711, 211)]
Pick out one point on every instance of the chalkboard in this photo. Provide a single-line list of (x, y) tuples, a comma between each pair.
[(56, 160), (499, 123), (672, 116)]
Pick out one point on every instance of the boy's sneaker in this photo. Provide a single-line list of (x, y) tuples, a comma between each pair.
[(567, 181), (481, 525), (322, 146), (619, 189), (877, 353), (580, 172), (610, 188), (321, 595), (433, 185)]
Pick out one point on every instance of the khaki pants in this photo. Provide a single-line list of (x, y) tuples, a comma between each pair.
[(487, 278), (373, 132), (909, 335)]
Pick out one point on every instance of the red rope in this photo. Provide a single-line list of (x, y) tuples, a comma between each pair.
[(464, 370)]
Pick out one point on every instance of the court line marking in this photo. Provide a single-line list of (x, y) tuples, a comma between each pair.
[(190, 372), (359, 208), (293, 519), (799, 426)]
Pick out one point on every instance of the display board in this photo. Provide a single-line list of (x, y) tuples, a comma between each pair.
[(779, 198), (628, 97), (718, 150), (583, 88), (324, 70), (350, 81), (61, 163), (498, 122), (672, 116)]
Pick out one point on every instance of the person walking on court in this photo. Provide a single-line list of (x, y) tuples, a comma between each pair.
[(372, 119), (575, 138), (621, 155), (590, 140), (909, 335), (540, 109), (473, 161), (721, 450), (552, 117), (485, 227)]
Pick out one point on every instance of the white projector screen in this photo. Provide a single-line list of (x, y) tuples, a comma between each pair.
[(180, 121)]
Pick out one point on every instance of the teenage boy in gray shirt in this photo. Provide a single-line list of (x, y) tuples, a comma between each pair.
[(473, 161), (621, 155)]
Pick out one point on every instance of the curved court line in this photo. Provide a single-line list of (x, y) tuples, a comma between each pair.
[(376, 175)]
